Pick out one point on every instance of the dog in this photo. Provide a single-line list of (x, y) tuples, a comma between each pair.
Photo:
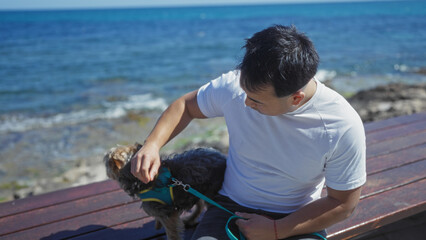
[(202, 168)]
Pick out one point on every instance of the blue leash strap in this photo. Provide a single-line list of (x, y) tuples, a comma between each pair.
[(319, 235), (194, 192)]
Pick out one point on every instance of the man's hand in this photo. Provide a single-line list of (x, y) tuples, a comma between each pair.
[(256, 226), (175, 118), (146, 162)]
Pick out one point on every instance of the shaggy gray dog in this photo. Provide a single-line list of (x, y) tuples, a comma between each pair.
[(203, 169)]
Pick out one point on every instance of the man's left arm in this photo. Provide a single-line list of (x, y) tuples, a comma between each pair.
[(314, 217)]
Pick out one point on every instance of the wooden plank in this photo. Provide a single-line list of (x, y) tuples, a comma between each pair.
[(82, 224), (399, 131), (394, 178), (381, 209), (139, 229), (396, 159), (52, 198), (62, 211), (390, 178), (395, 144), (392, 122)]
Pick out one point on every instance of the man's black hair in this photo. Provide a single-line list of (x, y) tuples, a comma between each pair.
[(279, 56)]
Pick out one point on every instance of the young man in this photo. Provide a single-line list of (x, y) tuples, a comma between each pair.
[(288, 135)]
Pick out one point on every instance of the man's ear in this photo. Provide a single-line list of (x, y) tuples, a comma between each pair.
[(297, 98)]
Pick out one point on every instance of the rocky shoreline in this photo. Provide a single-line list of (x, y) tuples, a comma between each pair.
[(388, 101), (373, 104)]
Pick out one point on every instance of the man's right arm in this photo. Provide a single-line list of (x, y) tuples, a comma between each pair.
[(174, 119)]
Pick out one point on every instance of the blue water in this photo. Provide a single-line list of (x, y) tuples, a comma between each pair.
[(67, 67)]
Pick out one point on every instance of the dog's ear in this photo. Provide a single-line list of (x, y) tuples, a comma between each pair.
[(138, 146), (119, 164)]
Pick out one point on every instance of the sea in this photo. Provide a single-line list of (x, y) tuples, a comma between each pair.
[(61, 71)]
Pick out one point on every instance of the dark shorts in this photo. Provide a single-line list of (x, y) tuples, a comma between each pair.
[(212, 225)]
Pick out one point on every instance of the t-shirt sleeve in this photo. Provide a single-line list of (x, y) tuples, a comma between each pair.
[(212, 97), (345, 169)]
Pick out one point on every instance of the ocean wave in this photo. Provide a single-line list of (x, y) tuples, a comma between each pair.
[(409, 69), (110, 110), (138, 102)]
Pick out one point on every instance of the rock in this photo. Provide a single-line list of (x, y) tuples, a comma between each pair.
[(421, 71), (388, 101)]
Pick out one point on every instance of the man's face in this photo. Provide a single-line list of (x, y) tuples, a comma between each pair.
[(267, 103)]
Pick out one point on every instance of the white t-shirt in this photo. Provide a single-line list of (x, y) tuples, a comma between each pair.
[(280, 163)]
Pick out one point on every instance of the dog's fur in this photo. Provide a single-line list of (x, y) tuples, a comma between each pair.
[(203, 169)]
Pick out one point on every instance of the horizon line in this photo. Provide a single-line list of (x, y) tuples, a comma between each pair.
[(211, 4)]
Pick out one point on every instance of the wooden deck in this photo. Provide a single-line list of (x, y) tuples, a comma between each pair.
[(396, 189)]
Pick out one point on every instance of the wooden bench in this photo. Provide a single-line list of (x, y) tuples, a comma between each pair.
[(396, 189)]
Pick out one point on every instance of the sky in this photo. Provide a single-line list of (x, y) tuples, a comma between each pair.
[(82, 4)]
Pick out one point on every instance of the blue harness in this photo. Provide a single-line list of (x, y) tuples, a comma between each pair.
[(162, 194)]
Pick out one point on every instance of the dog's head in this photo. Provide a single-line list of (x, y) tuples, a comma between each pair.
[(117, 157)]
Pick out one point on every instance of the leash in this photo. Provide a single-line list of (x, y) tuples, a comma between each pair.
[(319, 235), (189, 189)]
